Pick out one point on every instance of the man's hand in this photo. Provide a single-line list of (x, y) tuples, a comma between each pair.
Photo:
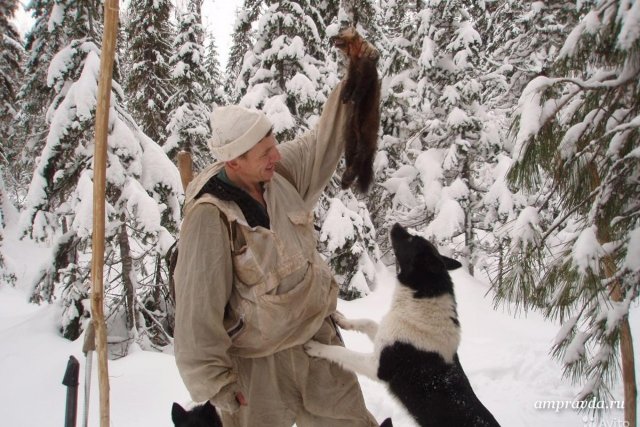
[(229, 398), (242, 401), (354, 46)]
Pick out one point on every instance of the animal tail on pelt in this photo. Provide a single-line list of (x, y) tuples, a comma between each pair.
[(362, 89)]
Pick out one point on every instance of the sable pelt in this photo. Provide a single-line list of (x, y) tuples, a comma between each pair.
[(362, 89)]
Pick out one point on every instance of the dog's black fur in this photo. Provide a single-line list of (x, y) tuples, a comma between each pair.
[(200, 416), (421, 267), (415, 345), (206, 416), (435, 392)]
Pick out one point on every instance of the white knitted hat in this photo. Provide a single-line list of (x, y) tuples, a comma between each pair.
[(235, 130)]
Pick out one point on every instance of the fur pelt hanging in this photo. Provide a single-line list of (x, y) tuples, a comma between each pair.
[(362, 89)]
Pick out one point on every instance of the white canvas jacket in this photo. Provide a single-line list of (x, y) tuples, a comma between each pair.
[(250, 292)]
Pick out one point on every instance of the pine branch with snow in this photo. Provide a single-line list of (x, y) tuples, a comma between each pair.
[(577, 145), (347, 241)]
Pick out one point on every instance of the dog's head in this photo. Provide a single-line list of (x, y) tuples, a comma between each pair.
[(200, 416), (422, 268)]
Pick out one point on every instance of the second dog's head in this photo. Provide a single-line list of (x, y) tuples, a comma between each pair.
[(422, 268), (200, 416)]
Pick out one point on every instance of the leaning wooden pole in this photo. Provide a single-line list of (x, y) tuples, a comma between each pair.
[(111, 10), (185, 166)]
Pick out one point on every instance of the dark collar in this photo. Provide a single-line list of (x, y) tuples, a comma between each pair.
[(221, 187)]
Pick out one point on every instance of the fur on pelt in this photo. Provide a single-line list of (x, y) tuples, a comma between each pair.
[(416, 343), (362, 89), (200, 416)]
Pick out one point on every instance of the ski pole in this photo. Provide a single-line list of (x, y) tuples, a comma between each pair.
[(71, 381), (88, 348)]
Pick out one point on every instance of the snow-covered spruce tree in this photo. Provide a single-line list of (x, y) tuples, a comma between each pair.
[(214, 94), (289, 56), (11, 53), (577, 141), (149, 33), (188, 125), (30, 126), (400, 47), (447, 164), (2, 225), (60, 276), (241, 51), (284, 64), (6, 274), (3, 268), (363, 15), (347, 240), (521, 39), (49, 33), (347, 236), (142, 192), (327, 11), (145, 42), (399, 68)]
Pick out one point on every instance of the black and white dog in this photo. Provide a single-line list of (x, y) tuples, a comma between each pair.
[(200, 416), (416, 343)]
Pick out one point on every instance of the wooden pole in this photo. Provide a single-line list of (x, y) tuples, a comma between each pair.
[(185, 166), (111, 10)]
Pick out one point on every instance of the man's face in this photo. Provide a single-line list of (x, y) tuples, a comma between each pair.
[(259, 163)]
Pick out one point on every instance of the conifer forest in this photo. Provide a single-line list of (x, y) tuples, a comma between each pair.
[(509, 137)]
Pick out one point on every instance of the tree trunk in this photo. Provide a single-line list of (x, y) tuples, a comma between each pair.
[(469, 234), (626, 352), (626, 343), (468, 237), (628, 373), (127, 271)]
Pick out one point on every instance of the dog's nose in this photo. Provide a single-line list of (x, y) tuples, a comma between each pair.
[(397, 231)]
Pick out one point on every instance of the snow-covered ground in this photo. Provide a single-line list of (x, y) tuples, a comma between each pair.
[(506, 358)]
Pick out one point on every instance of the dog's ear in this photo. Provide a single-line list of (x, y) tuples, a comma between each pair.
[(178, 414), (450, 263), (209, 411), (431, 259)]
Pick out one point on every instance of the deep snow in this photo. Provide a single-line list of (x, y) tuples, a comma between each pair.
[(506, 358)]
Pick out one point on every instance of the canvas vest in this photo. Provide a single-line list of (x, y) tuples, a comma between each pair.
[(282, 289)]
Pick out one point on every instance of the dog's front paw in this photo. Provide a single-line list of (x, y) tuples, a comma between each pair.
[(314, 348), (342, 321)]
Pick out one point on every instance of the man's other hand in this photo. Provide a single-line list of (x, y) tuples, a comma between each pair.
[(354, 46)]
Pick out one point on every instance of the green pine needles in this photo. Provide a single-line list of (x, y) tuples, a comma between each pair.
[(577, 150)]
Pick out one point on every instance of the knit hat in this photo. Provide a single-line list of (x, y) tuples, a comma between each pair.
[(235, 130)]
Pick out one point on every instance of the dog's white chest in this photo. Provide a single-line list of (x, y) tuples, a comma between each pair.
[(425, 323)]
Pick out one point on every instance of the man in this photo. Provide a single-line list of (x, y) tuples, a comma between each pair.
[(251, 288)]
